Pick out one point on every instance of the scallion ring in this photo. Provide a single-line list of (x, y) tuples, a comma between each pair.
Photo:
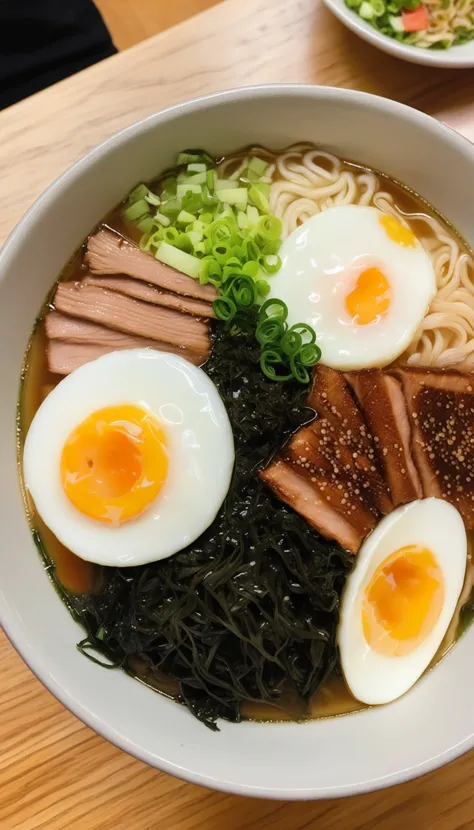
[(268, 360), (299, 372), (224, 309), (309, 354), (270, 330)]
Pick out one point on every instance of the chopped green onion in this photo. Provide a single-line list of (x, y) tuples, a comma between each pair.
[(304, 330), (183, 189), (263, 287), (146, 224), (172, 256), (152, 199), (196, 168), (198, 178), (236, 196), (258, 199), (252, 215), (224, 184), (163, 220), (271, 263), (170, 235), (273, 308), (171, 207), (268, 228), (136, 211), (210, 180), (250, 269), (221, 252), (185, 218), (268, 360), (242, 220), (270, 331), (138, 192), (210, 269), (300, 372), (194, 157), (183, 242), (309, 354), (291, 342), (257, 165), (192, 202), (224, 308)]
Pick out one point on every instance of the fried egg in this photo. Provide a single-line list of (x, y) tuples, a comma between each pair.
[(399, 600), (361, 279), (130, 457)]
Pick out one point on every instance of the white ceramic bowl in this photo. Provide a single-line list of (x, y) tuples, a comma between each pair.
[(458, 57), (435, 721)]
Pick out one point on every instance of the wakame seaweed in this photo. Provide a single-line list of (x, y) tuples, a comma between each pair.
[(249, 609)]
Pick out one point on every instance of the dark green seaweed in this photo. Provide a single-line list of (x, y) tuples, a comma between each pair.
[(250, 609)]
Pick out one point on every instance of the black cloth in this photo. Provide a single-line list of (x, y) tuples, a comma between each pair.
[(44, 41)]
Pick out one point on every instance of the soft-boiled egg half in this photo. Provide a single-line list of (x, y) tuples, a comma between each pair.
[(399, 600), (130, 457), (361, 279)]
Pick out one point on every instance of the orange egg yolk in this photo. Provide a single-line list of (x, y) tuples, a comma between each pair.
[(397, 232), (370, 299), (114, 464), (403, 601)]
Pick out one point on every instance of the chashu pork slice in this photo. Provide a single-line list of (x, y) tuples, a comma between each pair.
[(73, 342), (150, 294), (440, 404), (312, 503), (381, 399), (65, 357), (329, 470), (109, 253), (352, 443), (131, 316)]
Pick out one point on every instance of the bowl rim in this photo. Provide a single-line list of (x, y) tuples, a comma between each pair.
[(448, 59), (8, 620)]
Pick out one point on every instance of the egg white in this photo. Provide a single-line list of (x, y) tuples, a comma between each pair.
[(321, 262), (199, 445), (434, 524)]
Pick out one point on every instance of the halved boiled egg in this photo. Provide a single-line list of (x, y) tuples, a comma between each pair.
[(400, 598), (130, 457), (361, 279)]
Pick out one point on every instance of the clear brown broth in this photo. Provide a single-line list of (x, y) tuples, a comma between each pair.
[(74, 576)]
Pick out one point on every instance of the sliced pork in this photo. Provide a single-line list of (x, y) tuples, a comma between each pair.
[(65, 357), (331, 397), (150, 294), (440, 405), (329, 470), (109, 253), (381, 400), (131, 316), (297, 491)]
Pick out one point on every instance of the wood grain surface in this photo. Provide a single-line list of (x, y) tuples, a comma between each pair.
[(54, 772), (130, 21)]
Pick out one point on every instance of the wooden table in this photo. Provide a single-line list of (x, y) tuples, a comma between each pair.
[(56, 773)]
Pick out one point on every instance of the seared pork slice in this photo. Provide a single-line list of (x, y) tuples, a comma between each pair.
[(440, 404), (109, 253), (73, 330), (315, 452), (381, 400), (332, 399), (65, 357), (315, 506), (132, 316), (150, 294)]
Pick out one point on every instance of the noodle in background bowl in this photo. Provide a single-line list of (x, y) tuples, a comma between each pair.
[(331, 757), (457, 57)]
